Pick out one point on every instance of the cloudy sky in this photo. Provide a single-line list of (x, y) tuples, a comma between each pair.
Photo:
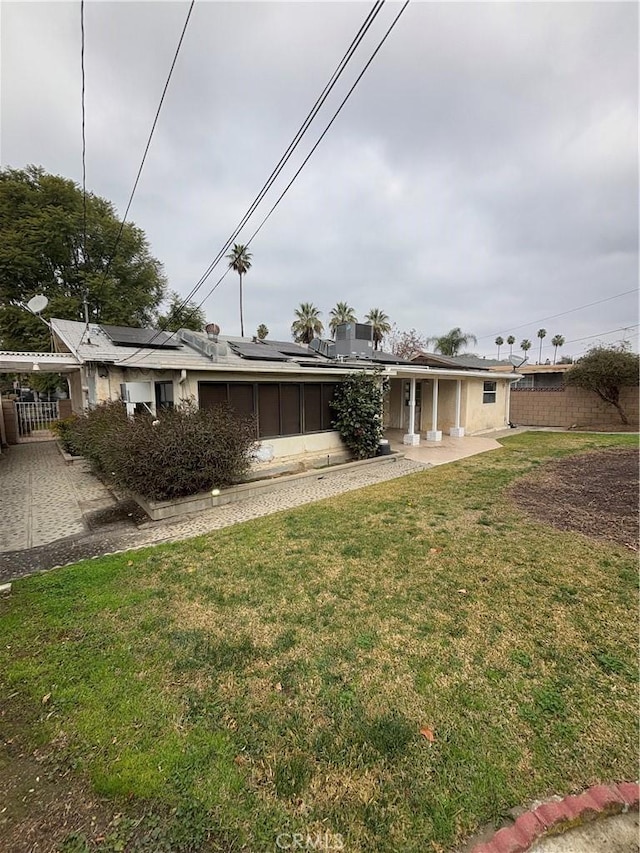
[(483, 174)]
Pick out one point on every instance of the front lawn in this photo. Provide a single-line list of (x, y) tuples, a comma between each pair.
[(274, 677)]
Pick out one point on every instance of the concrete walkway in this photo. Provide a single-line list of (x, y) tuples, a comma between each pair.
[(48, 508), (447, 450)]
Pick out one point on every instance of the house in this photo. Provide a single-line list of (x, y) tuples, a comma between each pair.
[(287, 386)]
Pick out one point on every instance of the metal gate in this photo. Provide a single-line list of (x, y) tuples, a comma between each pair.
[(35, 419)]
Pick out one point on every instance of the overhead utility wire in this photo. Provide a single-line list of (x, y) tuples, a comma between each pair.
[(304, 162), (146, 150), (563, 313), (373, 12), (283, 160)]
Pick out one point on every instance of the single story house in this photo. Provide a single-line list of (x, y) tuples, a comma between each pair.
[(287, 386)]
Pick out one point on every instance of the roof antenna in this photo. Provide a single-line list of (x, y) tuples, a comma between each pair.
[(85, 302)]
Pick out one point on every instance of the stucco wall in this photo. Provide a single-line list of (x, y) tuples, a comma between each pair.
[(312, 444), (568, 406), (479, 416)]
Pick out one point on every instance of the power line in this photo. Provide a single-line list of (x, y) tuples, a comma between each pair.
[(368, 21), (334, 77), (562, 313), (307, 158), (146, 149), (599, 334)]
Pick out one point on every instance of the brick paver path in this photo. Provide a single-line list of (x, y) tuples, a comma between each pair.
[(41, 498)]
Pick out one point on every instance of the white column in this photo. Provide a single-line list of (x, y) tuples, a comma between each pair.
[(411, 437), (457, 431), (434, 433)]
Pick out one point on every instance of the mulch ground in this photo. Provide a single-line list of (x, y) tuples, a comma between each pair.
[(595, 494)]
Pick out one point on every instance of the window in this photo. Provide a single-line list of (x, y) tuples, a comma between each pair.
[(282, 408), (489, 392), (164, 395)]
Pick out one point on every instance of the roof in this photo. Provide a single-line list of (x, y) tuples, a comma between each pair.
[(198, 351), (544, 368), (94, 344), (468, 361)]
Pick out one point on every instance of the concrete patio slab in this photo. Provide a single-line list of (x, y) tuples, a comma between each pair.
[(447, 450)]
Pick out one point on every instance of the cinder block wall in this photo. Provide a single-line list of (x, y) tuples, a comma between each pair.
[(565, 407), (64, 409)]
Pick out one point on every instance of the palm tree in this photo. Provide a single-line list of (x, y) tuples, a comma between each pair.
[(511, 341), (542, 333), (307, 323), (262, 331), (499, 342), (525, 346), (240, 261), (556, 341), (342, 313), (451, 343), (381, 325)]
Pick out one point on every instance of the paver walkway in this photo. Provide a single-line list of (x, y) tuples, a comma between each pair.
[(41, 498)]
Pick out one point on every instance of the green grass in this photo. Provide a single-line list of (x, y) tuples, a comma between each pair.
[(274, 676)]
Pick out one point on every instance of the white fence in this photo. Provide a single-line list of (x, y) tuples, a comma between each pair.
[(35, 416)]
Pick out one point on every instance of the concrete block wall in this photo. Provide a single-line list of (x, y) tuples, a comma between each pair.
[(565, 407)]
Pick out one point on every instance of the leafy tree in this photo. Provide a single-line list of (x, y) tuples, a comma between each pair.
[(542, 333), (342, 313), (357, 404), (566, 359), (262, 331), (406, 345), (42, 250), (180, 316), (556, 341), (511, 341), (240, 260), (499, 343), (525, 346), (307, 323), (381, 325), (605, 370), (451, 343)]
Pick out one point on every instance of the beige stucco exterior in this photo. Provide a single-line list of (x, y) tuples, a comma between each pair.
[(475, 416)]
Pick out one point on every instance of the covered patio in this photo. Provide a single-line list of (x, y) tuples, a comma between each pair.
[(430, 405)]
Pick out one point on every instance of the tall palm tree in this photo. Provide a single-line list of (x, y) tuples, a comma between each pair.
[(499, 342), (556, 341), (307, 323), (451, 343), (342, 313), (542, 333), (240, 260), (525, 346), (511, 341), (381, 325)]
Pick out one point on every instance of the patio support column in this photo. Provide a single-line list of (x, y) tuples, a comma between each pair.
[(457, 431), (411, 437), (434, 434)]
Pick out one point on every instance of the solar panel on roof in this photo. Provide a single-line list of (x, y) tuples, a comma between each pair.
[(290, 348), (258, 351), (126, 336)]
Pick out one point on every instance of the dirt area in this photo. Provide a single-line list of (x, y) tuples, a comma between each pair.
[(595, 494)]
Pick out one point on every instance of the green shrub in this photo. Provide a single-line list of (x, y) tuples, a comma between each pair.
[(357, 406), (95, 434), (64, 429), (184, 451)]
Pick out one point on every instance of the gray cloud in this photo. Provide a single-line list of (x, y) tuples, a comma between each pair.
[(483, 174)]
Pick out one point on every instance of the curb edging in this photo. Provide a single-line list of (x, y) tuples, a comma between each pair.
[(554, 818)]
